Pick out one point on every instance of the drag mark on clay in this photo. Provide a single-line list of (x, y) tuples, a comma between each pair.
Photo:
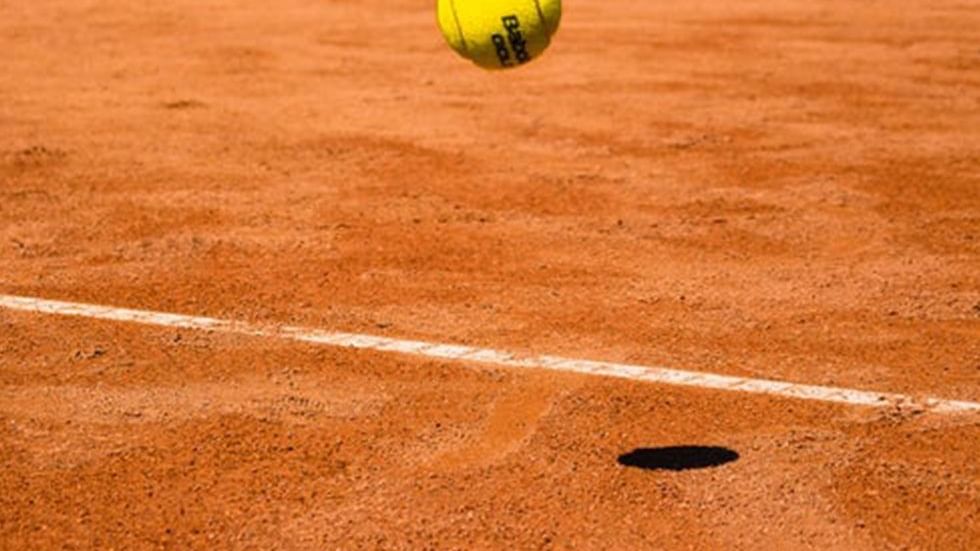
[(649, 374)]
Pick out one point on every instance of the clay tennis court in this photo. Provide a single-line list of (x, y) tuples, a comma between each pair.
[(784, 191)]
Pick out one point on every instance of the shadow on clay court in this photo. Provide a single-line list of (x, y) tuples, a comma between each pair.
[(678, 458)]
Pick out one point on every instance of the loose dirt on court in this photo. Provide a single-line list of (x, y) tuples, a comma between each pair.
[(779, 189)]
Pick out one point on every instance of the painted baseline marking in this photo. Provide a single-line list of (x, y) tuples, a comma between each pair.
[(658, 375)]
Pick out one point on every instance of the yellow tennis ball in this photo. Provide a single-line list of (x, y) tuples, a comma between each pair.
[(499, 34)]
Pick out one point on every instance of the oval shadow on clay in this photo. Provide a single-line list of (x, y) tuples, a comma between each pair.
[(678, 458)]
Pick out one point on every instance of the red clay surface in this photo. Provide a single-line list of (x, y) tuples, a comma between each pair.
[(775, 188)]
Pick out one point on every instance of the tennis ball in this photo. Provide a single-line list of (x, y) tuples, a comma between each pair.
[(499, 34)]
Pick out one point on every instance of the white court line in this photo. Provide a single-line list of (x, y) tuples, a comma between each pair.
[(659, 375)]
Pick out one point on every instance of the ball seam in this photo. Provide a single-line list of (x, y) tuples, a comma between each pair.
[(537, 4), (459, 27)]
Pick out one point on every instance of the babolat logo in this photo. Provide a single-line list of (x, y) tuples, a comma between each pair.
[(516, 40)]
